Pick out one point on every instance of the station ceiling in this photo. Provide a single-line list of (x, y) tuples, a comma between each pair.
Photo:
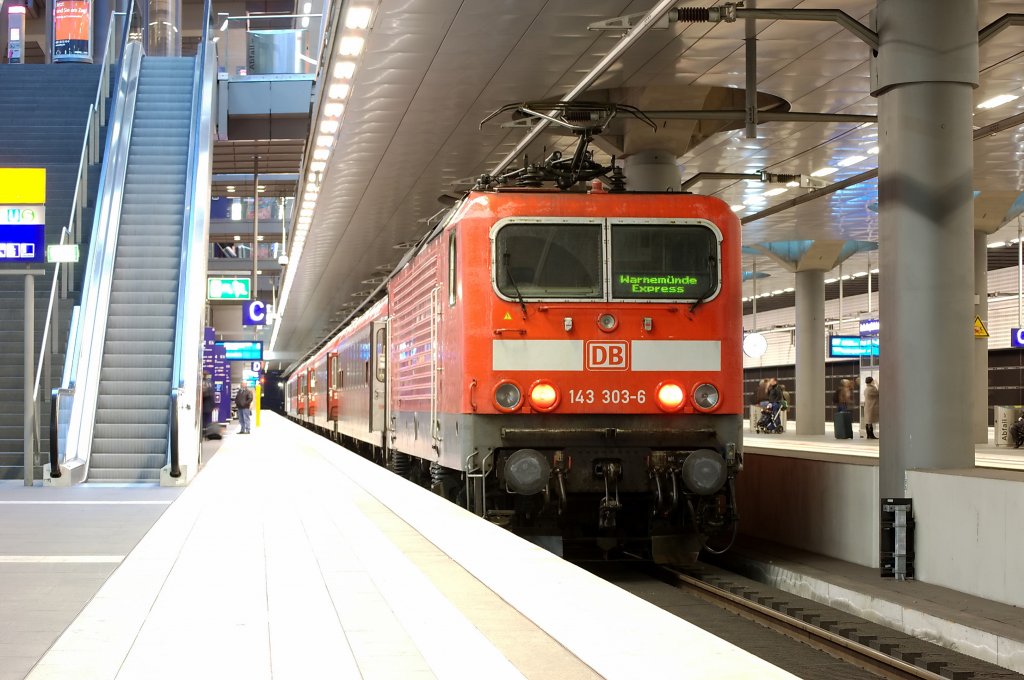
[(431, 70)]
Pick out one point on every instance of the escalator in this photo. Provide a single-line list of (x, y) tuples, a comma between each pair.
[(132, 410), (128, 408)]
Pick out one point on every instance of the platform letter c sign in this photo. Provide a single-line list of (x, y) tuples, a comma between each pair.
[(254, 313), (1017, 337)]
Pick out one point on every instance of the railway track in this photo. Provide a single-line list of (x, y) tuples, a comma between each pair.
[(875, 648)]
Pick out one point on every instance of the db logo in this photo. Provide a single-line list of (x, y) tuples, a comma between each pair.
[(607, 356)]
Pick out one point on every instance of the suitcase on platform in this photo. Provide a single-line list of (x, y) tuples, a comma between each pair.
[(843, 424)]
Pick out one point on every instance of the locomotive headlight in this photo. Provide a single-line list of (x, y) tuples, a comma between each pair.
[(507, 396), (607, 322), (705, 396), (670, 397), (543, 396)]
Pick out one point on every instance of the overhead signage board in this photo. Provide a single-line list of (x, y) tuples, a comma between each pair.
[(869, 327), (241, 350), (72, 31), (852, 346), (22, 243), (22, 187), (228, 289), (254, 313)]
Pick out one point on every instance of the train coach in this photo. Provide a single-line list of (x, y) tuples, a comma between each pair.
[(564, 363)]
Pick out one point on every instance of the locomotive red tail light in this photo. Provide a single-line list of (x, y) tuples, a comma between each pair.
[(670, 397), (543, 396)]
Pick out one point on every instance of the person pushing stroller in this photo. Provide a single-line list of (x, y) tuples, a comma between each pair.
[(770, 420)]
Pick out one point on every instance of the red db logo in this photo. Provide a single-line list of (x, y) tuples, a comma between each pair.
[(607, 356)]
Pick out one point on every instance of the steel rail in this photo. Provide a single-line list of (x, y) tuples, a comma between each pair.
[(827, 641)]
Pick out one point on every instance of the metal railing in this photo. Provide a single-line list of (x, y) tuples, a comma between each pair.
[(185, 379), (86, 344), (95, 120)]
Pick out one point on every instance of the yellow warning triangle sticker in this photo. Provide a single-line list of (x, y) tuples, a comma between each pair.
[(979, 328), (508, 317)]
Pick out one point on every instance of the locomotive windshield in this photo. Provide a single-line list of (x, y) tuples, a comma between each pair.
[(664, 261), (549, 260)]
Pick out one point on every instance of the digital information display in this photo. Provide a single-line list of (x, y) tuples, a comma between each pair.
[(661, 286), (241, 350), (852, 346), (72, 31), (227, 289)]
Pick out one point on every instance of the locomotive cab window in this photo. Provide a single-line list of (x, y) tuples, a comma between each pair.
[(538, 260), (664, 261)]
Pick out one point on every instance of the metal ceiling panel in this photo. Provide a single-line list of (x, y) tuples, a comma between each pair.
[(434, 68)]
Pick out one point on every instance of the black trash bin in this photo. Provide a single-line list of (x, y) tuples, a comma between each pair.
[(843, 424)]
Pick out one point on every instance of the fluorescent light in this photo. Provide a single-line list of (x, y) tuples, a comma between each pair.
[(823, 172), (236, 211), (321, 154), (311, 188), (789, 290), (237, 237), (231, 190), (334, 109), (738, 207), (325, 141), (776, 192), (857, 275), (344, 70), (306, 212), (328, 126), (350, 46), (998, 100), (831, 280), (358, 17), (317, 166), (874, 271), (338, 90), (851, 160), (997, 244)]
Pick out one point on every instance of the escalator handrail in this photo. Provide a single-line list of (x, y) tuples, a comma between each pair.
[(185, 367)]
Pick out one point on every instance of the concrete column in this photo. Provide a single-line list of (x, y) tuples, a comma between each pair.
[(979, 413), (924, 74), (810, 352)]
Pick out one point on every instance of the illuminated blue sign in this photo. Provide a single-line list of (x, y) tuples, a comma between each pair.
[(241, 350), (22, 243), (254, 313), (869, 327), (852, 346), (1017, 337)]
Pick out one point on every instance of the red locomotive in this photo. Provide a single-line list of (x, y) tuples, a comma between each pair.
[(567, 364)]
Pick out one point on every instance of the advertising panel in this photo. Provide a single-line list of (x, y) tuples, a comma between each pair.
[(72, 31)]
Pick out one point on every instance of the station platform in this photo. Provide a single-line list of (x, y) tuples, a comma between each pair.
[(289, 557), (789, 443)]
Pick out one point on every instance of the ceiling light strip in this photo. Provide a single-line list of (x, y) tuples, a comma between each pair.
[(348, 42)]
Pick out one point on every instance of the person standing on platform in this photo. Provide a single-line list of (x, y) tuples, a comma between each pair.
[(844, 395), (243, 400), (870, 406), (208, 398)]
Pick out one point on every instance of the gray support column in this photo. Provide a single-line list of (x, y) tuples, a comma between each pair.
[(980, 411), (29, 372), (164, 35), (810, 352), (926, 68)]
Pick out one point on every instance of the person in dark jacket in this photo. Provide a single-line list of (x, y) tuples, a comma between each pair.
[(243, 400), (775, 396), (207, 400)]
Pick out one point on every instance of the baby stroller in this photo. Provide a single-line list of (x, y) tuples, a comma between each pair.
[(770, 421)]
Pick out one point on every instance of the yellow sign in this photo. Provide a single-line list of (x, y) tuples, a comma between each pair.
[(979, 328), (22, 185), (508, 316)]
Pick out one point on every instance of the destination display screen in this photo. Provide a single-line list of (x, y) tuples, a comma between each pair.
[(664, 261), (852, 346), (240, 350)]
